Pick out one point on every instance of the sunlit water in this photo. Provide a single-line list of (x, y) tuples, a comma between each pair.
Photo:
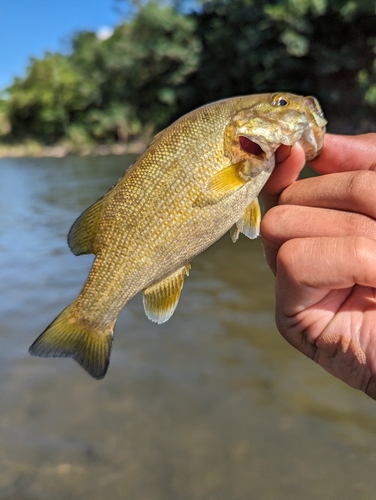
[(212, 405)]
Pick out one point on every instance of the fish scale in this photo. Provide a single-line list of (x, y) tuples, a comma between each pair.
[(192, 184)]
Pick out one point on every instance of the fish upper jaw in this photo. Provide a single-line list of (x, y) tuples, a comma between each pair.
[(269, 134)]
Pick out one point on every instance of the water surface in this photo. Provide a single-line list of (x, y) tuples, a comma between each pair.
[(212, 405)]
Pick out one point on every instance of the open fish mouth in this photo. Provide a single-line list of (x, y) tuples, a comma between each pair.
[(258, 146), (250, 146), (268, 135), (261, 137)]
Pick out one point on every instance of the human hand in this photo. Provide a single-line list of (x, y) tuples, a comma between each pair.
[(320, 241)]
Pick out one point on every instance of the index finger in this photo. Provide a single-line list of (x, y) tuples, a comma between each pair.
[(342, 153)]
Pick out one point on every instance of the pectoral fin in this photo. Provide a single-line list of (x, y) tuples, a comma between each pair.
[(161, 299), (249, 223), (222, 185)]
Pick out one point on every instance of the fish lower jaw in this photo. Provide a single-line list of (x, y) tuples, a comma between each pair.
[(268, 148), (261, 146), (261, 164)]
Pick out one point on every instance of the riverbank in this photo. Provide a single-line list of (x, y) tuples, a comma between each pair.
[(36, 150)]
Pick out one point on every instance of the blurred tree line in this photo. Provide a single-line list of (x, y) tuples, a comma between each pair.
[(166, 60)]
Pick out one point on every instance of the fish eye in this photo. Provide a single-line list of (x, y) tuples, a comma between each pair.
[(279, 100)]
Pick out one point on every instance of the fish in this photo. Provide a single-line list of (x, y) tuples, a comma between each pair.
[(197, 179)]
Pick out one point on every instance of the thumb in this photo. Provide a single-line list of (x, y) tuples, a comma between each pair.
[(289, 163)]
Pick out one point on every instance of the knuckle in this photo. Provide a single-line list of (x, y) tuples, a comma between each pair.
[(361, 249), (287, 256), (359, 183), (269, 218), (360, 225), (272, 221)]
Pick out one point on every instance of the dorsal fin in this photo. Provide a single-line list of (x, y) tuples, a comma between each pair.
[(82, 234), (156, 137), (161, 299)]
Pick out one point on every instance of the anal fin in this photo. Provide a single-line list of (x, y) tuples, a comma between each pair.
[(249, 223), (161, 299)]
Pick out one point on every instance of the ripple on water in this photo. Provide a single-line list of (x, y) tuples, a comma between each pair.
[(211, 405)]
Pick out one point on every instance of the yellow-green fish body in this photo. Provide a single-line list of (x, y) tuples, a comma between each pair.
[(198, 178)]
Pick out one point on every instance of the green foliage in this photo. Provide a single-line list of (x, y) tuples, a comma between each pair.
[(148, 61), (163, 62), (338, 50), (51, 96), (306, 46), (112, 89)]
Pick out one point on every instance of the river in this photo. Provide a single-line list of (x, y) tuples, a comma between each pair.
[(212, 405)]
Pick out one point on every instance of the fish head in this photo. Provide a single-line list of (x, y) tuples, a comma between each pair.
[(276, 119)]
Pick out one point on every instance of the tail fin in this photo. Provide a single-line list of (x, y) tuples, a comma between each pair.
[(69, 337)]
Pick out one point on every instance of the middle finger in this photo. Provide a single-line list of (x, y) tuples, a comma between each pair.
[(286, 222), (350, 191)]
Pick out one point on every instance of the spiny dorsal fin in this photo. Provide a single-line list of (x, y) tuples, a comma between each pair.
[(223, 184), (82, 234), (156, 137), (161, 299), (249, 223), (69, 337)]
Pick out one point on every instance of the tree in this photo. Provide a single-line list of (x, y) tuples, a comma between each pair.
[(44, 104), (162, 62), (321, 47)]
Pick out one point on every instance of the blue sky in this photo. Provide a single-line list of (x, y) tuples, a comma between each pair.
[(28, 28)]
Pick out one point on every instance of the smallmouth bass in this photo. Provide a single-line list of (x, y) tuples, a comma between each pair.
[(197, 179)]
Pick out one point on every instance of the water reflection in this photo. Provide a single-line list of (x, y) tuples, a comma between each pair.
[(211, 405)]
